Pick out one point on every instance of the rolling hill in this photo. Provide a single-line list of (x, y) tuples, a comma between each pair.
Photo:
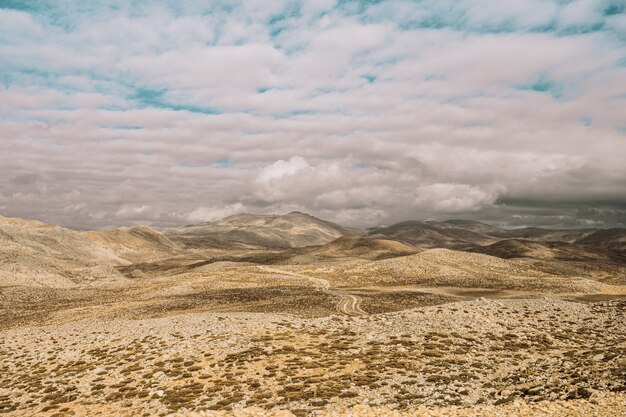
[(611, 239), (562, 251), (250, 231), (461, 269), (430, 234), (360, 247), (43, 255)]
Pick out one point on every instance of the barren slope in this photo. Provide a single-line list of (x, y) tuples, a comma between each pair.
[(260, 231), (612, 239), (449, 268), (564, 251), (135, 244), (361, 247), (42, 255), (428, 235), (37, 254)]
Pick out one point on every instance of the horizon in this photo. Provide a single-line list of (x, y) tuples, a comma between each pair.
[(357, 112), (365, 228)]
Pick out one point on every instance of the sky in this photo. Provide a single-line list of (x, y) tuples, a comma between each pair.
[(166, 112)]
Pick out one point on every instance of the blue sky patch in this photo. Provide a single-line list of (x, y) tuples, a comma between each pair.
[(543, 84), (127, 127), (370, 78), (223, 163), (156, 98), (294, 113)]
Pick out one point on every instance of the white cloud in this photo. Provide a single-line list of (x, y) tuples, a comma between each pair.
[(456, 198), (281, 169), (581, 13), (208, 214)]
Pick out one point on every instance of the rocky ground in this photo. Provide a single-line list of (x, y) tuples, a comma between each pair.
[(599, 406), (487, 354)]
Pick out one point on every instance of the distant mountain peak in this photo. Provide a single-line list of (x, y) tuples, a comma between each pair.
[(298, 213), (294, 229), (461, 221)]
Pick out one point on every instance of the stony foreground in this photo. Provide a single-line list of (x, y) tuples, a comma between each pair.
[(483, 353), (604, 405)]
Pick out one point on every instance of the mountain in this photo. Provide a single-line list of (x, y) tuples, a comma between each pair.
[(473, 226), (360, 247), (461, 269), (611, 239), (562, 251), (468, 234), (135, 244), (430, 234), (548, 235), (253, 231), (43, 255)]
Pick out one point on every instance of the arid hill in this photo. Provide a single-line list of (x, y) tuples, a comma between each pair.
[(612, 239), (249, 231), (460, 269), (548, 235), (531, 242), (360, 247), (563, 251), (135, 244), (430, 234), (42, 255), (36, 254)]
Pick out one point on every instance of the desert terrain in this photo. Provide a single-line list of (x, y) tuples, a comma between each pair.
[(292, 315)]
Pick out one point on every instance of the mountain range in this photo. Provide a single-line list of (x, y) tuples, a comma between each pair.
[(38, 254)]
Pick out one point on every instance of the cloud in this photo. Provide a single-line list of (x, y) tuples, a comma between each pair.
[(208, 214), (456, 198), (281, 169), (167, 113)]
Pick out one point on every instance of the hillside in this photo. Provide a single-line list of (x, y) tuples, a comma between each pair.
[(135, 244), (461, 269), (430, 234), (243, 231), (549, 235), (468, 234), (611, 239), (563, 251), (42, 255), (37, 254), (361, 247)]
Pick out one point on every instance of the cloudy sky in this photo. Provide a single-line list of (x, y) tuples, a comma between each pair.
[(363, 112)]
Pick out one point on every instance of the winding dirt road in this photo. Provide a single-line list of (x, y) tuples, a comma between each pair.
[(348, 304)]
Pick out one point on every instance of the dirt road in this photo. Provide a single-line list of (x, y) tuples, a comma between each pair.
[(348, 304)]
